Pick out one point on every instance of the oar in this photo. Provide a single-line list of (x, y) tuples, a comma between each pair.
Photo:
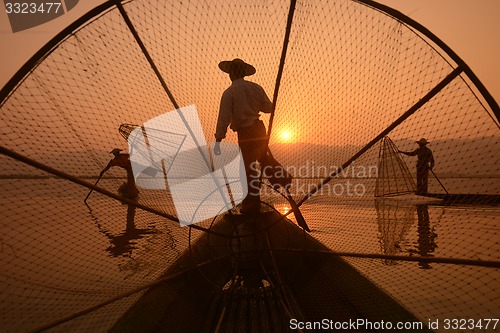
[(301, 221), (439, 182), (295, 208), (97, 181), (228, 186)]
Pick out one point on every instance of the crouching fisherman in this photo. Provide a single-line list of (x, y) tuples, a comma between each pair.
[(128, 189)]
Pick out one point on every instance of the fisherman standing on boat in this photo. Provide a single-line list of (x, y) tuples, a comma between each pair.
[(128, 189), (240, 106), (425, 163)]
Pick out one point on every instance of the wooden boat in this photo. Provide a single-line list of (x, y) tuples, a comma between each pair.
[(347, 72), (261, 274)]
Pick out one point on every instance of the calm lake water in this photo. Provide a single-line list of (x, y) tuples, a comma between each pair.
[(59, 256)]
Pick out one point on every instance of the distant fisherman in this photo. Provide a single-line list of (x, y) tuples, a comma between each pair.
[(425, 163), (128, 189)]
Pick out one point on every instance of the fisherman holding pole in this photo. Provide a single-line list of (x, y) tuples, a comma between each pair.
[(425, 162), (240, 106), (128, 189)]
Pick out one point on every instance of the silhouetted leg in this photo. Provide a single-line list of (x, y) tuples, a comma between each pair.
[(132, 190), (252, 142), (425, 180), (422, 178)]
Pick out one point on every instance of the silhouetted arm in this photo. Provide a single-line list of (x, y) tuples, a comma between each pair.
[(409, 153), (122, 160), (267, 105), (106, 168), (224, 117)]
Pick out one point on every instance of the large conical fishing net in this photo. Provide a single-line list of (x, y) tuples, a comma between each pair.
[(343, 74), (393, 177)]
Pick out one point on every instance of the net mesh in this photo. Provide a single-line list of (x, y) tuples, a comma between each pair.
[(351, 71)]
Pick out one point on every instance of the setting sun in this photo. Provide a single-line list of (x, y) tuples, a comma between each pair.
[(286, 136)]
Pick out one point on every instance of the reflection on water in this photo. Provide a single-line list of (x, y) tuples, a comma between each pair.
[(396, 226), (136, 249), (395, 220), (54, 249), (282, 208), (53, 246), (426, 235), (123, 243)]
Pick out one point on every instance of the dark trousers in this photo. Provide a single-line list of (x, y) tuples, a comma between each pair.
[(253, 144), (422, 178)]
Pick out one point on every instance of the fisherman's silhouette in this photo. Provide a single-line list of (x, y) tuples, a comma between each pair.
[(128, 189), (425, 163), (240, 106)]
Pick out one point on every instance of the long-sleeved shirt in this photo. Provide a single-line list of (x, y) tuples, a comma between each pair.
[(240, 106), (120, 160), (424, 156)]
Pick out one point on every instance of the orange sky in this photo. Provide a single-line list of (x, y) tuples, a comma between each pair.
[(471, 38), (470, 28)]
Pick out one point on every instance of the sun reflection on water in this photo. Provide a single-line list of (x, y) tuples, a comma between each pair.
[(282, 208)]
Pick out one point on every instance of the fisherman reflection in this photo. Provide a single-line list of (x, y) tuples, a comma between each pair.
[(128, 189), (426, 236), (425, 163), (124, 243), (394, 223)]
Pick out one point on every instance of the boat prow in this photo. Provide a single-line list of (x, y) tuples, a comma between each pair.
[(260, 273)]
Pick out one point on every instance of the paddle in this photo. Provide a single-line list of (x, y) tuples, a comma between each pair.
[(228, 186), (296, 211), (97, 181), (269, 160), (439, 181)]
